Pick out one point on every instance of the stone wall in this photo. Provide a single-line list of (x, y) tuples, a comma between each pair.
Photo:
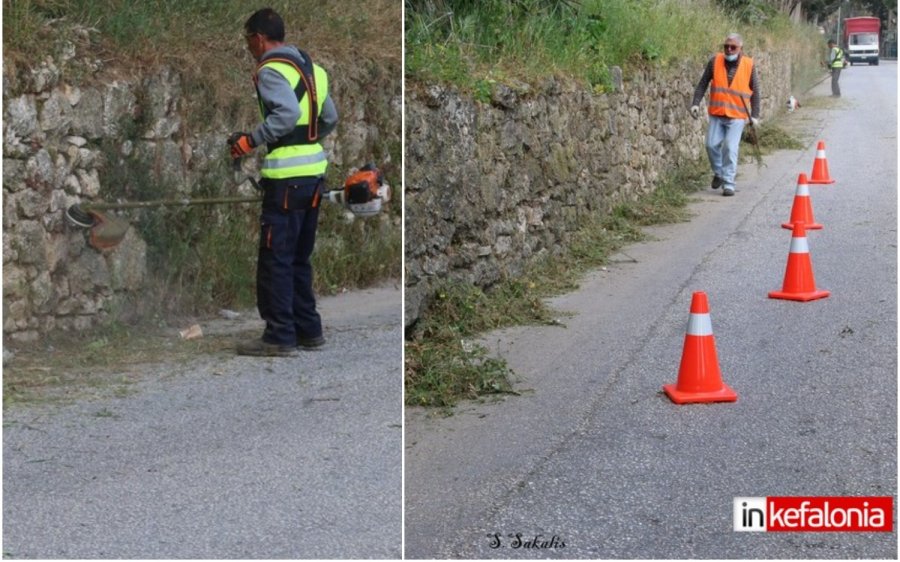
[(55, 125), (490, 186)]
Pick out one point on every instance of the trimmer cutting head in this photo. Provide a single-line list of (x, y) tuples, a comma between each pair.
[(78, 217), (106, 231)]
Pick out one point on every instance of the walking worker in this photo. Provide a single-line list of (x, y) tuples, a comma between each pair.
[(733, 99), (835, 63), (297, 113)]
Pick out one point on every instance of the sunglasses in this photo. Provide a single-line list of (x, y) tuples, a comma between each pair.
[(731, 47)]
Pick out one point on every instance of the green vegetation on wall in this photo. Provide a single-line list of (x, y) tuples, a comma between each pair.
[(465, 43), (203, 39)]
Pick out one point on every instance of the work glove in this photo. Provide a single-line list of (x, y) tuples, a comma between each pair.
[(695, 111), (241, 144), (754, 122)]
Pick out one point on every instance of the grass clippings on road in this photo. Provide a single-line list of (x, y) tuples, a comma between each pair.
[(69, 366), (444, 364)]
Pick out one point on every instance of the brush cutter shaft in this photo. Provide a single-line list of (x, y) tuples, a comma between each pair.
[(169, 203), (331, 196)]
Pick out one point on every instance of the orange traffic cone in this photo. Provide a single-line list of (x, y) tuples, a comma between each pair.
[(802, 209), (699, 378), (799, 282), (820, 166)]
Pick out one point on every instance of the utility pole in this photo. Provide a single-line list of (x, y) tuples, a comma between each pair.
[(838, 38)]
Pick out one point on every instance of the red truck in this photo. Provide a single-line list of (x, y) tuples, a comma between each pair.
[(861, 39)]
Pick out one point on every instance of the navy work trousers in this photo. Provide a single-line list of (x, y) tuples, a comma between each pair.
[(284, 276)]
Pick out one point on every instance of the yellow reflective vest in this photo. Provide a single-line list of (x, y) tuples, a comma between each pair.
[(731, 100), (299, 154), (838, 54)]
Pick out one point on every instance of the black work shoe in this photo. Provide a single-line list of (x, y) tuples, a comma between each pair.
[(728, 192), (717, 182), (260, 348), (317, 341)]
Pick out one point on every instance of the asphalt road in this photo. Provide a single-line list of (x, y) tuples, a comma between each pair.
[(223, 457), (593, 454)]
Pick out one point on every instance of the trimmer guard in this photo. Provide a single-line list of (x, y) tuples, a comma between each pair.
[(107, 231)]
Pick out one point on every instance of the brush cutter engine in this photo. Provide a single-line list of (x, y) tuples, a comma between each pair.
[(364, 192)]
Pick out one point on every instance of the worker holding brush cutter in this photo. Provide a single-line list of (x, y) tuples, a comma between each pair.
[(297, 113), (734, 83)]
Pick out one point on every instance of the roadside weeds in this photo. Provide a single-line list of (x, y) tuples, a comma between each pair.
[(443, 363)]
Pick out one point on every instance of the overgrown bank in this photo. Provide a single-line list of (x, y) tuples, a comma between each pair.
[(507, 163), (475, 45)]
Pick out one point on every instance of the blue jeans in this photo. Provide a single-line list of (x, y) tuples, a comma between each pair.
[(723, 140), (284, 276)]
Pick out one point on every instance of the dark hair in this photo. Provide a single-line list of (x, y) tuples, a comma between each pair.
[(266, 22), (832, 42)]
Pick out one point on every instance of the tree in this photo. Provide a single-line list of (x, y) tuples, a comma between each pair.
[(817, 10)]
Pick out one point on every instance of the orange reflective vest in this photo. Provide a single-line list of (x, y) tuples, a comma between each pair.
[(731, 100)]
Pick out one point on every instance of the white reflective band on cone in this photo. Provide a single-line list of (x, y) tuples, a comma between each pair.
[(699, 325), (820, 154), (799, 246), (803, 190)]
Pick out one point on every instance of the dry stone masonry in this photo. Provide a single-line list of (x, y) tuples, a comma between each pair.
[(491, 186), (55, 124)]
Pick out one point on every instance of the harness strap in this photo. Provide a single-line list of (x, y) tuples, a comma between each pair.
[(302, 134)]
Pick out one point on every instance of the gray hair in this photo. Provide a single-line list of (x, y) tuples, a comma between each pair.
[(736, 37)]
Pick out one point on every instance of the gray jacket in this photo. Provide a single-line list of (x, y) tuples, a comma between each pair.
[(278, 97)]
